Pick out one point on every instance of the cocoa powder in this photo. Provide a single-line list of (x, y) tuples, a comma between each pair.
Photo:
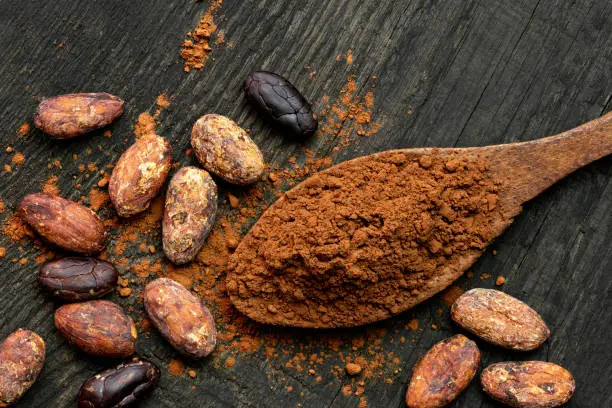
[(359, 242), (196, 48)]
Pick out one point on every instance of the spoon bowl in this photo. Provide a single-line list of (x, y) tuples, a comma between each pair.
[(374, 236)]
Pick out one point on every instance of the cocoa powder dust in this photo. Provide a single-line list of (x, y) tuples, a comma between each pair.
[(366, 240)]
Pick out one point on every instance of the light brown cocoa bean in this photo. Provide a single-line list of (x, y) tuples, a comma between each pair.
[(443, 373), (68, 116), (528, 384), (191, 205), (22, 356), (180, 317), (98, 327), (139, 175), (500, 319), (64, 223), (225, 150)]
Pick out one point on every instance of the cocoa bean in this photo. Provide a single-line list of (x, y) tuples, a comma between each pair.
[(443, 373), (68, 116), (22, 356), (64, 223), (191, 205), (225, 150), (97, 327), (528, 384), (180, 317), (76, 279), (500, 319), (139, 175)]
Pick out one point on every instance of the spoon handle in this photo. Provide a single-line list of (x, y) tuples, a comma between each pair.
[(528, 168)]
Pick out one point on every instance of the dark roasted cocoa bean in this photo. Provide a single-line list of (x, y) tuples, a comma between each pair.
[(281, 102), (76, 279), (119, 386)]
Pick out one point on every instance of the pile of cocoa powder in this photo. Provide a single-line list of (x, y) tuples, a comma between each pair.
[(363, 238)]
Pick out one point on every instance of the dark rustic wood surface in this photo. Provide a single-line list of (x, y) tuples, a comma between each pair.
[(471, 72)]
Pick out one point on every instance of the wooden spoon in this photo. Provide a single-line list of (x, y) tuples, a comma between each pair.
[(291, 270)]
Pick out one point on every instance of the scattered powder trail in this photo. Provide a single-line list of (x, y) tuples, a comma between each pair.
[(196, 48), (135, 249), (350, 113)]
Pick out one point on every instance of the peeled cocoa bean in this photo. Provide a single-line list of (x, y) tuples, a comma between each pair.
[(191, 205), (120, 386), (76, 279)]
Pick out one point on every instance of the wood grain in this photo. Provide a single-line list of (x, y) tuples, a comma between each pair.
[(472, 73)]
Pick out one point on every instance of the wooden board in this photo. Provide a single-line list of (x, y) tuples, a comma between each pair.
[(447, 73)]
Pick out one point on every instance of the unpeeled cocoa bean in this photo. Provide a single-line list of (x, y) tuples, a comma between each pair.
[(64, 223), (528, 384), (500, 319), (443, 373), (191, 205), (22, 356), (180, 317), (139, 174), (97, 327), (75, 279), (68, 116), (225, 150)]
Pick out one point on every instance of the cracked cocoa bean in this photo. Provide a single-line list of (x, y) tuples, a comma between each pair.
[(119, 386), (76, 279)]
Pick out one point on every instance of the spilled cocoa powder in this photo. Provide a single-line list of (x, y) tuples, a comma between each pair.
[(366, 240), (146, 123), (350, 113), (289, 353), (196, 48)]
